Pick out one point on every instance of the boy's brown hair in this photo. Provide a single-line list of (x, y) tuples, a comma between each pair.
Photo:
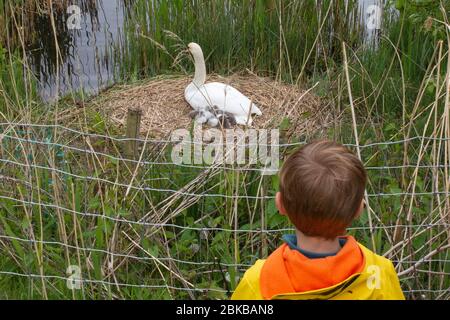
[(322, 186)]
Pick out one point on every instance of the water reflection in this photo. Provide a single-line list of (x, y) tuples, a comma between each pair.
[(86, 56)]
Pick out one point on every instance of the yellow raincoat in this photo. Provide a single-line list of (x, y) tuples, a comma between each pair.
[(374, 279)]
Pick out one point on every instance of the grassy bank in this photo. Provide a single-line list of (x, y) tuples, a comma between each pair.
[(157, 230)]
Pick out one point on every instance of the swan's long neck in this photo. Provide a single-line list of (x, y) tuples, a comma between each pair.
[(200, 69)]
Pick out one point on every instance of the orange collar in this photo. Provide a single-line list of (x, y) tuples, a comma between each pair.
[(289, 271)]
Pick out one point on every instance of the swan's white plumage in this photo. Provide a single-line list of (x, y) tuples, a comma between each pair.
[(224, 97), (201, 95)]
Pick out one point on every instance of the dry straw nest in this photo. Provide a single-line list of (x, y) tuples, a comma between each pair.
[(165, 110)]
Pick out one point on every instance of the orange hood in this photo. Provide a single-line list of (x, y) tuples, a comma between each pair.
[(288, 271)]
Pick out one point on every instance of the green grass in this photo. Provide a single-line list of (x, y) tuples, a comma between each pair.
[(49, 191), (277, 38)]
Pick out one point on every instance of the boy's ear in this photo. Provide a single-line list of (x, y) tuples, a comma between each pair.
[(361, 209), (280, 205)]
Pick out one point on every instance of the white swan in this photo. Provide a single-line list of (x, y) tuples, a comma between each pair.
[(201, 95)]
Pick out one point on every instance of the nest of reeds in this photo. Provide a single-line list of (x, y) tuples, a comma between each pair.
[(164, 108)]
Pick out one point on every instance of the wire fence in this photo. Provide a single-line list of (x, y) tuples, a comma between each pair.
[(148, 227)]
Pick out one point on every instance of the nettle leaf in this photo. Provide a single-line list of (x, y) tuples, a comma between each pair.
[(390, 127), (271, 207), (187, 235), (276, 220), (213, 223), (275, 182), (94, 203), (123, 212), (285, 124), (153, 250)]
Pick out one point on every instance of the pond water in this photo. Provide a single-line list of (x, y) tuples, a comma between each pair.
[(89, 54)]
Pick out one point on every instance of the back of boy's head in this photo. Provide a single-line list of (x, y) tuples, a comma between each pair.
[(322, 186)]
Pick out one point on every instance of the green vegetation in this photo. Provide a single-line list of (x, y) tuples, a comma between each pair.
[(279, 38), (63, 205)]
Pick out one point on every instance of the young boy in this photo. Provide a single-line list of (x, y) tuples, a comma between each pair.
[(321, 192)]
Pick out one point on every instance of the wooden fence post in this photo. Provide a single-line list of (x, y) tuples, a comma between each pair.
[(133, 126)]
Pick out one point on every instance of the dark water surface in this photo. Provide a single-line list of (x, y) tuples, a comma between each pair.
[(88, 54)]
